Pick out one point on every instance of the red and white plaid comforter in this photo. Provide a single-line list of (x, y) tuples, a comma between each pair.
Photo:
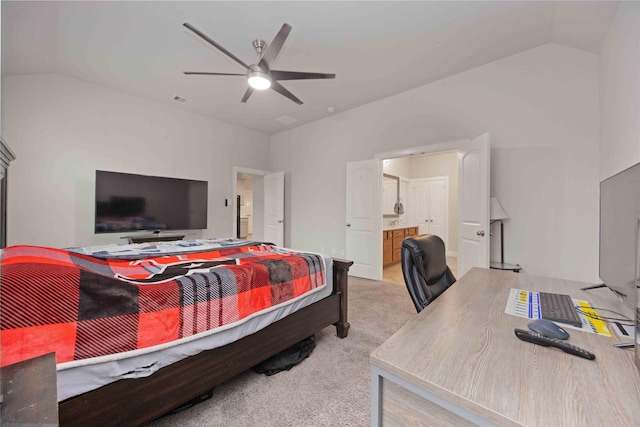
[(81, 306)]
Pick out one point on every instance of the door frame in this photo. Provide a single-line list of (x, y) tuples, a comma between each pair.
[(235, 170), (454, 145)]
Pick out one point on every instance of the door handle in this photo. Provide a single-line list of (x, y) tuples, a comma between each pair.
[(348, 225), (480, 233)]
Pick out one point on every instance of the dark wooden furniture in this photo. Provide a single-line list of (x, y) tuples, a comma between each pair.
[(136, 401), (145, 238), (392, 242), (29, 393), (6, 156)]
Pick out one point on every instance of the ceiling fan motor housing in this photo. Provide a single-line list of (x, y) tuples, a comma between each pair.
[(259, 45)]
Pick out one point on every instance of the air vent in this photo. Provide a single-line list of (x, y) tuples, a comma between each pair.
[(182, 100), (286, 120)]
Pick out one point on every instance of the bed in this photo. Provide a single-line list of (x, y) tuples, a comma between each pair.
[(189, 367)]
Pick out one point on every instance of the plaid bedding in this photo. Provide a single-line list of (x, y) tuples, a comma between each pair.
[(82, 306)]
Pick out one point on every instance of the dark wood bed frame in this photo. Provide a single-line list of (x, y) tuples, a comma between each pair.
[(136, 401)]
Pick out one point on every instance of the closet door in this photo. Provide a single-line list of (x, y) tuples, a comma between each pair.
[(432, 199), (438, 208), (422, 205)]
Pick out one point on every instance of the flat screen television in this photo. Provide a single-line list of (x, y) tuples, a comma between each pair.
[(620, 238), (128, 202)]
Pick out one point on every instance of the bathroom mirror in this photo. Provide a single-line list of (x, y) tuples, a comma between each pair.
[(390, 194)]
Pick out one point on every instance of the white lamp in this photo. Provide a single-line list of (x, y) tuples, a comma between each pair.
[(497, 213)]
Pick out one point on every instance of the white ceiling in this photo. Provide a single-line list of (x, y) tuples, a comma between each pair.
[(376, 49)]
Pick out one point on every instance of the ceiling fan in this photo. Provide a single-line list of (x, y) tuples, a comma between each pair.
[(260, 76)]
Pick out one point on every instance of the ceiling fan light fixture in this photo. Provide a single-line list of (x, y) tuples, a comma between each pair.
[(259, 80)]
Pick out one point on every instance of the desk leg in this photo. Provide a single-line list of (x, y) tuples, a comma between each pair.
[(458, 413), (376, 397)]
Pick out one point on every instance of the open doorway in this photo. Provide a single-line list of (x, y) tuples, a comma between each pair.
[(364, 213), (267, 204), (428, 194), (244, 206), (248, 203)]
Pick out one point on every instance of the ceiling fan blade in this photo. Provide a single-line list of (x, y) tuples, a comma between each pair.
[(284, 92), (247, 94), (219, 47), (200, 73), (270, 55), (299, 75)]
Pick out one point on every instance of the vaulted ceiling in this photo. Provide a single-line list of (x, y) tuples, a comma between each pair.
[(375, 48)]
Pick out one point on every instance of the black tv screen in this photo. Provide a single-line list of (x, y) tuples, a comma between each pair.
[(129, 202), (620, 233)]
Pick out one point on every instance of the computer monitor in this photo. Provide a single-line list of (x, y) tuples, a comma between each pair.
[(620, 239)]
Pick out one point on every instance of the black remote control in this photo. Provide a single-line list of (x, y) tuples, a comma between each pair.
[(540, 339)]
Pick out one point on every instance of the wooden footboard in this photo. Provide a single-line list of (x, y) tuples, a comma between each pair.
[(136, 401)]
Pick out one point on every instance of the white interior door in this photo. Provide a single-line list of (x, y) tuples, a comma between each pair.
[(432, 206), (274, 208), (473, 204), (422, 205), (364, 219), (438, 211)]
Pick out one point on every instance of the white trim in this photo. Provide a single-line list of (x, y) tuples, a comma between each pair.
[(6, 156), (425, 149)]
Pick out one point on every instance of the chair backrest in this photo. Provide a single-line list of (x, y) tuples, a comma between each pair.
[(425, 270)]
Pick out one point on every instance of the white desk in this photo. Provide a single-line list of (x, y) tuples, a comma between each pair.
[(458, 362)]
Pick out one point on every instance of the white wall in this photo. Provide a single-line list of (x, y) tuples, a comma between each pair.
[(62, 130), (541, 110), (620, 92)]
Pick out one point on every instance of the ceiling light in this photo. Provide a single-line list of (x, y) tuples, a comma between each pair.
[(259, 80)]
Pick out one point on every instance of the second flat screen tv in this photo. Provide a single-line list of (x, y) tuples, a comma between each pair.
[(129, 202)]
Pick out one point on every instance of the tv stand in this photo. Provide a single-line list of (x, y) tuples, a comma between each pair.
[(602, 285), (155, 237)]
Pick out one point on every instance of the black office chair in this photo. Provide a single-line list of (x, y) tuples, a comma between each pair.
[(425, 270)]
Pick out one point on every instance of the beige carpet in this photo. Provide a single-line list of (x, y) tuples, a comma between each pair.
[(330, 388)]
